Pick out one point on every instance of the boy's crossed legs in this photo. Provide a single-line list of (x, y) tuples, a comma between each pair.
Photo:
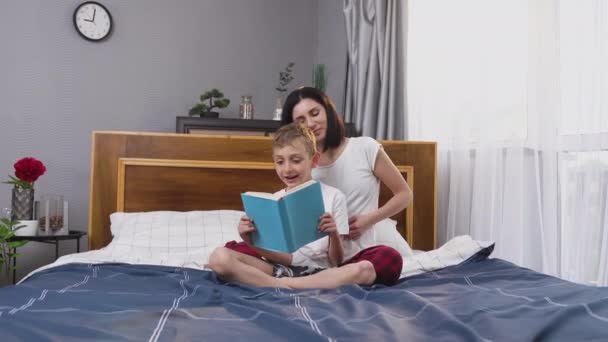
[(239, 262), (236, 266)]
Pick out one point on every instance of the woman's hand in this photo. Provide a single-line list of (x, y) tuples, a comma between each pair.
[(328, 225), (357, 225), (246, 228)]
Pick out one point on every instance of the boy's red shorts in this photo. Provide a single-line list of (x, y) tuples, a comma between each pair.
[(386, 260)]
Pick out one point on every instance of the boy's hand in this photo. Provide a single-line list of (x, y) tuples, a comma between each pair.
[(245, 229), (327, 224), (357, 225)]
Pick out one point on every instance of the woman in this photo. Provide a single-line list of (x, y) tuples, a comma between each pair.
[(356, 166)]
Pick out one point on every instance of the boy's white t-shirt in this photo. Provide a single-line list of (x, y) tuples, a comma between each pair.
[(314, 254)]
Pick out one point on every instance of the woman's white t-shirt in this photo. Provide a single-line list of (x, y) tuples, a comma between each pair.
[(353, 174)]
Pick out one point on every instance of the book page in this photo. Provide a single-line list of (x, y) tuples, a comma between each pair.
[(301, 186), (265, 195)]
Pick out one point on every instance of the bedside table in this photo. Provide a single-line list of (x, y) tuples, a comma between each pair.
[(52, 239)]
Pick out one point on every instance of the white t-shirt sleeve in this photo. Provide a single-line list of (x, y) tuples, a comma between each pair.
[(371, 147)]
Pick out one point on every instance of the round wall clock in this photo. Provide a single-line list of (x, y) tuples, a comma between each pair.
[(93, 21)]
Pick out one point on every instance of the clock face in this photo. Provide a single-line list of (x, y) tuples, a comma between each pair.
[(93, 21)]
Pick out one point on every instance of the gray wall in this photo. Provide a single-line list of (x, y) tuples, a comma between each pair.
[(56, 88), (332, 48)]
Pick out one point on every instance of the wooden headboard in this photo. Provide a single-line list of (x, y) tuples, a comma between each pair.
[(134, 172)]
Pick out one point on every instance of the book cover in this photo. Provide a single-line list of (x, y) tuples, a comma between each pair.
[(287, 221)]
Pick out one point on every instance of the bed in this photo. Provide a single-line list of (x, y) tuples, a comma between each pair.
[(161, 202)]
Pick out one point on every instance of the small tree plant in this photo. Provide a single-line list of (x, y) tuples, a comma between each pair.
[(215, 99), (7, 231), (319, 77), (285, 76)]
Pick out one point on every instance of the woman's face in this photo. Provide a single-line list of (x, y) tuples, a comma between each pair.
[(312, 114)]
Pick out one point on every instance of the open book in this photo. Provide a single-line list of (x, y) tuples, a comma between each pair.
[(287, 221)]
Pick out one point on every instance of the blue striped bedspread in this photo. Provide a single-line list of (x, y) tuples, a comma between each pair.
[(479, 300)]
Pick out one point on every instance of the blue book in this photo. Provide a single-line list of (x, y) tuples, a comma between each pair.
[(285, 222)]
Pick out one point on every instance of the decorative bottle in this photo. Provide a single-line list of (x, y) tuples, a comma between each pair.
[(246, 108)]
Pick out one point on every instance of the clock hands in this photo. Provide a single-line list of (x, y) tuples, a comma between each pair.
[(92, 20)]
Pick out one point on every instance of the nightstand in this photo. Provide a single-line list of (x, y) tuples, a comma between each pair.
[(52, 239)]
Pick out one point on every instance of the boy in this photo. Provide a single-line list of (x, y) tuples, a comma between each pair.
[(314, 265)]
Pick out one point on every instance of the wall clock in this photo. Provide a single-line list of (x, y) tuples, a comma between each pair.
[(93, 21)]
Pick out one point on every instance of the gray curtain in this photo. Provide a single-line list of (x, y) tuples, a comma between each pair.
[(375, 98)]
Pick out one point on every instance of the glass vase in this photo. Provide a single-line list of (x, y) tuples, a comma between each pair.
[(22, 203), (51, 212), (246, 108), (278, 108)]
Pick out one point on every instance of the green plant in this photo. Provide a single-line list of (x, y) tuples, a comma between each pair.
[(285, 77), (7, 231), (319, 77), (216, 100)]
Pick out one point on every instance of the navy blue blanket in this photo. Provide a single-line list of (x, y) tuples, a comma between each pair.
[(479, 300)]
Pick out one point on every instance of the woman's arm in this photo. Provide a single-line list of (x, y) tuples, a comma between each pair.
[(388, 174)]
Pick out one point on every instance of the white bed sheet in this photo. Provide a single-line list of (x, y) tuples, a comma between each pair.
[(452, 253)]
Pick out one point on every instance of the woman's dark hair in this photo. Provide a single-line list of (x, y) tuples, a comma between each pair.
[(335, 126)]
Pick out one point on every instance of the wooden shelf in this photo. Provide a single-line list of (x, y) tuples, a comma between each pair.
[(198, 125)]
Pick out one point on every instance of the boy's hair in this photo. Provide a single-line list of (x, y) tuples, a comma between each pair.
[(287, 134)]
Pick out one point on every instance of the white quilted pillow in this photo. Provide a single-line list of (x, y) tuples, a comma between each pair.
[(167, 238), (172, 232)]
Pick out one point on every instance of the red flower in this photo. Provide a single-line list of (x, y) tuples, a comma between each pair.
[(29, 169)]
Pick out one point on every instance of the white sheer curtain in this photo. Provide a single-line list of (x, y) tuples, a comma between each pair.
[(584, 139), (499, 84)]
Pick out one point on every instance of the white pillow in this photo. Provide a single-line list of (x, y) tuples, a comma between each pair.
[(173, 232), (386, 234), (167, 238)]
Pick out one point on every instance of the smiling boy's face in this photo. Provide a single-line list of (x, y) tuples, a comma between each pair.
[(293, 163)]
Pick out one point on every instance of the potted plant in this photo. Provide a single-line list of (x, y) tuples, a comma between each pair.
[(216, 100), (7, 231), (285, 77), (319, 77), (27, 171)]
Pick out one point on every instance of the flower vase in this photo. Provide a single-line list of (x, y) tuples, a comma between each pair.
[(22, 203), (278, 108)]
